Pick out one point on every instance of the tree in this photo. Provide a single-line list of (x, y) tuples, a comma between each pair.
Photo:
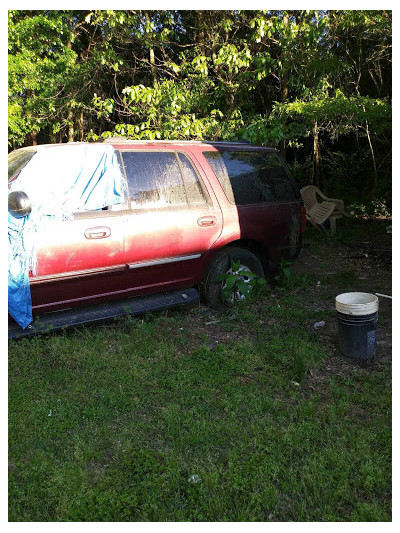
[(316, 84)]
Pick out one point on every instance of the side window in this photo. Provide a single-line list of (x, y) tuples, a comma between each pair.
[(193, 188), (154, 179), (251, 177), (17, 160)]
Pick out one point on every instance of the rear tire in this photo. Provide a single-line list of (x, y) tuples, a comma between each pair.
[(210, 287)]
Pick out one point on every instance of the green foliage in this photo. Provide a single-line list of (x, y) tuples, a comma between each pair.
[(374, 209), (299, 80), (284, 273), (338, 115), (40, 65), (238, 282)]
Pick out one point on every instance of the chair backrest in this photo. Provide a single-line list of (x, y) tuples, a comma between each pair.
[(308, 194)]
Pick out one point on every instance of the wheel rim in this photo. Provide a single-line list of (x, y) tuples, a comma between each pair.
[(241, 275)]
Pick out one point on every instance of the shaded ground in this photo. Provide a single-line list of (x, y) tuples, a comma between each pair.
[(362, 264), (332, 265)]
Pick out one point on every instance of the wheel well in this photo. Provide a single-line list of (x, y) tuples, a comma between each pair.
[(219, 259), (252, 246)]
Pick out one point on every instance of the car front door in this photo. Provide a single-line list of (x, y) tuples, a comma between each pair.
[(78, 260)]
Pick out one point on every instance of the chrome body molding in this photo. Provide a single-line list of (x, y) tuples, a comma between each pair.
[(163, 261), (118, 268), (76, 274)]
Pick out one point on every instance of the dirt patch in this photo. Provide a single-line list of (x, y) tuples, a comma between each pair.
[(364, 265), (336, 266)]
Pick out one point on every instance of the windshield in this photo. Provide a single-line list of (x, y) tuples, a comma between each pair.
[(17, 160)]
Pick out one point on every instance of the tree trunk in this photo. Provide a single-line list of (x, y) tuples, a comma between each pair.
[(230, 103), (318, 172), (285, 84), (285, 90), (151, 56), (80, 127), (375, 180), (70, 120), (200, 28), (70, 117), (200, 24), (32, 138)]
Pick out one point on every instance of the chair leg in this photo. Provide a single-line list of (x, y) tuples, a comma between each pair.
[(323, 228), (332, 222), (316, 226)]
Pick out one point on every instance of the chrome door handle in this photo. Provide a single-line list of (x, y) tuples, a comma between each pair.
[(207, 221), (99, 232)]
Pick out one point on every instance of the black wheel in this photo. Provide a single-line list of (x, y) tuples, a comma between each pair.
[(211, 288)]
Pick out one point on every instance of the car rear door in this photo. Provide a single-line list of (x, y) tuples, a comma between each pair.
[(173, 219)]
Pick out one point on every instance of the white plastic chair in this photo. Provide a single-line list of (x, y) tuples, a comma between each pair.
[(319, 212)]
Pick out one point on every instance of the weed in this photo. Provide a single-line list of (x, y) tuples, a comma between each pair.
[(238, 282)]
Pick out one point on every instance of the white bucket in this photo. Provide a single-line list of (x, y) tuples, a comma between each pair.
[(357, 303)]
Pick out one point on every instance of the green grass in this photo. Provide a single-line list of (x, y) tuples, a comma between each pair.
[(109, 423)]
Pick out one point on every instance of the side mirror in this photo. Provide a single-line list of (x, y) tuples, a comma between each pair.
[(18, 204)]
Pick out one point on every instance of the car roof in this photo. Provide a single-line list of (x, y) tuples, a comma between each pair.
[(122, 141), (228, 144)]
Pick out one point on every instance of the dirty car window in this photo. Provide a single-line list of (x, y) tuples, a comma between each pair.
[(154, 179), (193, 187)]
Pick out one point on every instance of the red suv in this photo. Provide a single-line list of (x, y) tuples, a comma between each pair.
[(192, 207)]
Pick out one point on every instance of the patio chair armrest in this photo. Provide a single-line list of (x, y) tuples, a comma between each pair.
[(339, 203)]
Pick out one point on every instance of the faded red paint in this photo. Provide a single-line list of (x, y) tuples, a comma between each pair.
[(90, 260)]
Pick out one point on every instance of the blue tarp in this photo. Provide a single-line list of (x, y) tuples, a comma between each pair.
[(59, 180)]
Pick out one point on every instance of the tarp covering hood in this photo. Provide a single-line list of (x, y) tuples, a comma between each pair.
[(59, 180)]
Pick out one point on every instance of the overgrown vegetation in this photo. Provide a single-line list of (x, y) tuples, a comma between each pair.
[(243, 414), (239, 282), (316, 84)]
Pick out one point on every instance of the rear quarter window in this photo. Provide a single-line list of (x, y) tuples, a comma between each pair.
[(193, 188), (251, 177)]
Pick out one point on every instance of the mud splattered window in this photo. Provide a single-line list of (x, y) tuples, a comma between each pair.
[(193, 188), (154, 180), (251, 177)]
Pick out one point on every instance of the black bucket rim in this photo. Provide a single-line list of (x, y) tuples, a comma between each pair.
[(357, 320)]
